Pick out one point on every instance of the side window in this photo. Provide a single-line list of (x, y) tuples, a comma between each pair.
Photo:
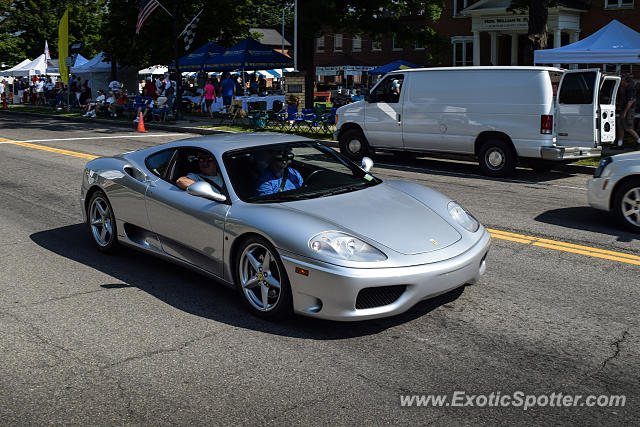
[(606, 92), (577, 88), (159, 162), (388, 90)]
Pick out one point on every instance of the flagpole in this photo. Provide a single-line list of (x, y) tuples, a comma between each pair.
[(178, 101)]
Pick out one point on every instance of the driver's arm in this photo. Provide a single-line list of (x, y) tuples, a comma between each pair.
[(183, 182)]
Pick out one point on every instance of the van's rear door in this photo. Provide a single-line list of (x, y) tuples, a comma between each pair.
[(577, 108), (607, 108)]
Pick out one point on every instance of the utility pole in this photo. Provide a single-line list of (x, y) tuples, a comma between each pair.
[(295, 36), (178, 101), (282, 51)]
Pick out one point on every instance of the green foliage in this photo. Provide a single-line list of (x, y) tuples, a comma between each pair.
[(26, 24)]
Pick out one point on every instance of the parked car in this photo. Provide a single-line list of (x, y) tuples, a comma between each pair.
[(615, 187), (344, 245), (499, 114)]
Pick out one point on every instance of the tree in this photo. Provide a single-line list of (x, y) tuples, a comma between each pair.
[(26, 24), (368, 17), (223, 21)]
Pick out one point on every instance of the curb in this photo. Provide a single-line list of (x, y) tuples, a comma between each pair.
[(119, 123)]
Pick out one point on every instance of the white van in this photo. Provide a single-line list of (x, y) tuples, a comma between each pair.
[(499, 114)]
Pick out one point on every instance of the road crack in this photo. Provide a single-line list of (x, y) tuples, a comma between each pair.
[(617, 343)]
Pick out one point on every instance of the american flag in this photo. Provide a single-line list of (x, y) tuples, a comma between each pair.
[(147, 7)]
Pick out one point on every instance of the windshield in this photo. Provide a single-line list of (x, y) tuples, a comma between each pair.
[(292, 171)]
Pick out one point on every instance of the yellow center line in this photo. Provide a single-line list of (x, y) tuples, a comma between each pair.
[(50, 149), (566, 247)]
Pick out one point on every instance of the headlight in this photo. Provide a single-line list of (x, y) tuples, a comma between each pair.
[(603, 164), (463, 217), (343, 246)]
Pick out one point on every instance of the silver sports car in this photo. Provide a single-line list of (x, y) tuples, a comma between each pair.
[(288, 222)]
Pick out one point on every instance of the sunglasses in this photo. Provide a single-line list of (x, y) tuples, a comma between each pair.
[(205, 159)]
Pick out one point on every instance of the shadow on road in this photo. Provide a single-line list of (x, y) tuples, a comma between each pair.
[(196, 294), (587, 219), (464, 167)]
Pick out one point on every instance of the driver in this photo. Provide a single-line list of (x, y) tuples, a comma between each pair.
[(278, 176), (208, 173)]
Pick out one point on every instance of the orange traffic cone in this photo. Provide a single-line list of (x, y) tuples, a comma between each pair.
[(141, 123)]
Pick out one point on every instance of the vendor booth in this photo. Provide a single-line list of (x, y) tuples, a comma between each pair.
[(8, 72), (614, 43), (196, 60), (98, 71), (33, 68)]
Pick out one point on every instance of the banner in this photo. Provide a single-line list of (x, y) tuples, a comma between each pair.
[(63, 47)]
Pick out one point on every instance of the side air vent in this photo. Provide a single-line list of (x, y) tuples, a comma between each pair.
[(377, 297)]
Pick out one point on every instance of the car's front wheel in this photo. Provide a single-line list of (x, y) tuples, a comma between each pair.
[(102, 222), (262, 279), (626, 205)]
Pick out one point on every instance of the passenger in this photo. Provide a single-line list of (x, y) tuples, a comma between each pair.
[(278, 176), (208, 173)]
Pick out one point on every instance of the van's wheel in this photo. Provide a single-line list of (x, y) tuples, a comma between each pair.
[(262, 280), (497, 158), (626, 205), (354, 145), (102, 223)]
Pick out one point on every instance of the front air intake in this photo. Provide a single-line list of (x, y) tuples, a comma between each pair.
[(377, 297)]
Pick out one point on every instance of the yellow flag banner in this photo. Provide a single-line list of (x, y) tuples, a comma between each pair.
[(63, 47)]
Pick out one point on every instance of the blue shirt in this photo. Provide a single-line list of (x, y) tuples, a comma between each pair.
[(270, 182), (227, 87)]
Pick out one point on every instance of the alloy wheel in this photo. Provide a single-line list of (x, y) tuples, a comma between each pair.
[(260, 277), (100, 221)]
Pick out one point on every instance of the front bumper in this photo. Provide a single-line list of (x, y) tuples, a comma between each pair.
[(569, 153), (330, 291)]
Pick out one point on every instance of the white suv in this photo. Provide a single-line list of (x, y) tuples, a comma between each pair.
[(615, 187)]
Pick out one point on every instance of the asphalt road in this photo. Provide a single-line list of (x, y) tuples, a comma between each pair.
[(129, 339)]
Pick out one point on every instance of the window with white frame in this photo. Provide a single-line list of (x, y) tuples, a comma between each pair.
[(459, 5), (617, 68), (462, 51), (356, 44), (376, 43), (418, 45), (610, 4), (337, 42), (395, 45), (320, 44)]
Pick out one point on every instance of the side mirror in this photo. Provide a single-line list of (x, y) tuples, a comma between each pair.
[(367, 164), (367, 95), (204, 189)]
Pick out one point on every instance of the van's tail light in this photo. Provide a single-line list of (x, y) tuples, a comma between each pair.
[(546, 124)]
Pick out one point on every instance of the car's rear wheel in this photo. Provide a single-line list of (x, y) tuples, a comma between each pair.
[(497, 158), (626, 205), (354, 145), (262, 279), (102, 223)]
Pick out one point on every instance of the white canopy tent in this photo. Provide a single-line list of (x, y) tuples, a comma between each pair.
[(98, 71), (155, 69), (8, 71), (615, 43), (36, 67)]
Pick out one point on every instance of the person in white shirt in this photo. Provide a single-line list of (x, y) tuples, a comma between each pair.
[(91, 106), (208, 173), (40, 91)]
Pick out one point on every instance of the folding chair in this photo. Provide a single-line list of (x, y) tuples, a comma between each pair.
[(235, 112)]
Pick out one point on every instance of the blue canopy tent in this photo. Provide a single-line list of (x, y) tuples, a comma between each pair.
[(249, 54), (197, 60), (393, 66)]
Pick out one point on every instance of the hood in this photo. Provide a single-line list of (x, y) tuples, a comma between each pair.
[(384, 215)]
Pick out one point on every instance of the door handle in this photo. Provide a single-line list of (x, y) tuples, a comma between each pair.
[(399, 117)]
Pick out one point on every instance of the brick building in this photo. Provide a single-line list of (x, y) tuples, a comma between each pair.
[(480, 32)]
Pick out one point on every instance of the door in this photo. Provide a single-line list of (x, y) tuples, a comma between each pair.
[(607, 109), (383, 113), (577, 108), (190, 228)]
